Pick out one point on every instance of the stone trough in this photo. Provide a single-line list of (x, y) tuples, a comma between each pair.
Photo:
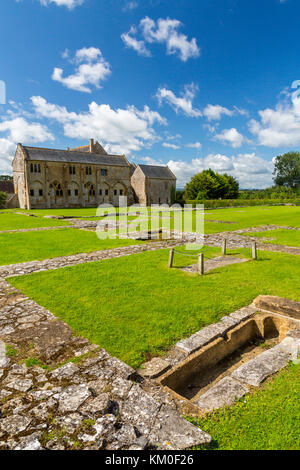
[(234, 361)]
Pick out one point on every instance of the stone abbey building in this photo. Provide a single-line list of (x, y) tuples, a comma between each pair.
[(86, 177)]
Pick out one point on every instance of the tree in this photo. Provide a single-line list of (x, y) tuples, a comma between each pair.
[(232, 187), (211, 185), (287, 170)]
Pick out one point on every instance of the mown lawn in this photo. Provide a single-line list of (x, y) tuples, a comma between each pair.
[(135, 306), (12, 221), (266, 420), (279, 237), (29, 246), (243, 217)]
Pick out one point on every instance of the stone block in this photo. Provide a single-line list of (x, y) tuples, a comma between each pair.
[(224, 393), (263, 366), (278, 305), (154, 368), (171, 431)]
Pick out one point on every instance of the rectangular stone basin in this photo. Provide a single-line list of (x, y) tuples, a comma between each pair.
[(216, 361)]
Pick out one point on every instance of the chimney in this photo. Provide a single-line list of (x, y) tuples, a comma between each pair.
[(91, 145)]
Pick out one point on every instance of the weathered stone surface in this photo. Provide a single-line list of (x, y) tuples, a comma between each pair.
[(123, 438), (42, 410), (14, 425), (224, 393), (4, 361), (139, 409), (64, 372), (154, 368), (97, 406), (72, 397), (29, 443), (18, 383), (258, 369), (243, 313), (289, 346), (278, 305), (170, 431), (207, 335)]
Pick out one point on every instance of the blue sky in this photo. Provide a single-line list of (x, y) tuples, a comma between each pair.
[(189, 83)]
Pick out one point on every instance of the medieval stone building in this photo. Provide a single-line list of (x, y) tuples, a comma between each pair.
[(153, 184), (85, 177)]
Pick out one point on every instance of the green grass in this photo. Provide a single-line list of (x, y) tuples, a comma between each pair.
[(11, 221), (252, 217), (267, 420), (243, 217), (135, 306), (279, 237), (28, 246)]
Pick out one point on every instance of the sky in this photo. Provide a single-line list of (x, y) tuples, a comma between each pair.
[(193, 84)]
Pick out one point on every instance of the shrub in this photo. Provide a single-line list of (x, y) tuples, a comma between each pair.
[(3, 197)]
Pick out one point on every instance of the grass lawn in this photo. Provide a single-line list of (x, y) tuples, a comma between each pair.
[(29, 246), (267, 420), (242, 218), (11, 221), (252, 217), (135, 306), (280, 237)]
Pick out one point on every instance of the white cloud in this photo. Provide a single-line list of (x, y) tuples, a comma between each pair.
[(195, 145), (122, 130), (7, 151), (250, 170), (151, 161), (231, 137), (20, 130), (131, 5), (90, 69), (214, 112), (164, 31), (70, 4), (279, 127), (170, 146), (138, 45), (183, 103)]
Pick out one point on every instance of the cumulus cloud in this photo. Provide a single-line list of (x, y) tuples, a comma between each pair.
[(20, 130), (279, 127), (17, 130), (7, 151), (90, 69), (250, 170), (70, 4), (182, 103), (231, 137), (214, 112), (164, 31), (122, 130), (195, 145), (170, 146), (131, 42)]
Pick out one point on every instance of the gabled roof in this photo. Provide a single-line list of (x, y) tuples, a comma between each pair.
[(97, 148), (157, 172), (73, 156)]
